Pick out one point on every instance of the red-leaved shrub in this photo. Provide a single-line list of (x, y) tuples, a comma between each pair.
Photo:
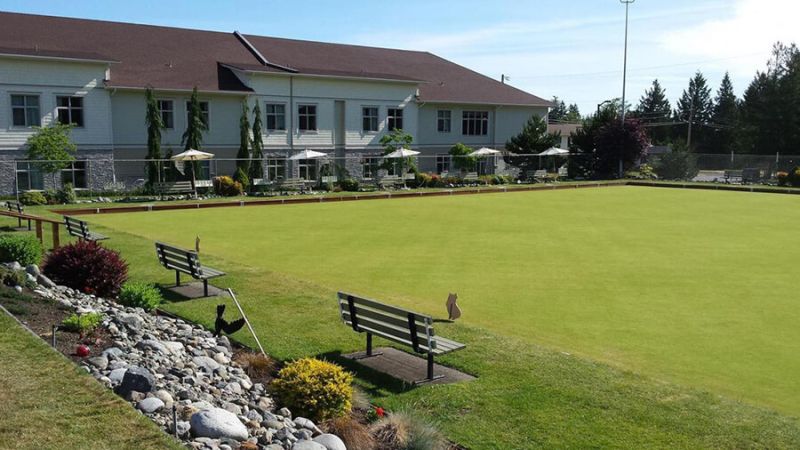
[(87, 267)]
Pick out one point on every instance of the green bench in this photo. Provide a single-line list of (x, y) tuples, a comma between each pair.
[(173, 188), (398, 325), (80, 230), (185, 261)]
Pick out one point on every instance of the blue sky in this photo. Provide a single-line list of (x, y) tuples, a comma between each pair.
[(568, 48)]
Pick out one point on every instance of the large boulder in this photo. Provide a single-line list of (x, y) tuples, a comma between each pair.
[(217, 423), (150, 405), (330, 441), (136, 379)]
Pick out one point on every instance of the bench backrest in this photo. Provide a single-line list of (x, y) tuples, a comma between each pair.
[(390, 322), (175, 186), (540, 174), (76, 227), (175, 258)]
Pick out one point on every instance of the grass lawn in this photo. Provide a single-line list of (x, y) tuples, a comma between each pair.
[(46, 403), (595, 317)]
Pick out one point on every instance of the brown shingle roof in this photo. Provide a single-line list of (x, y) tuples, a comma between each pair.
[(176, 58)]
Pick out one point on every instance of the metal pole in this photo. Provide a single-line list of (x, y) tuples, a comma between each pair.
[(230, 291), (625, 58)]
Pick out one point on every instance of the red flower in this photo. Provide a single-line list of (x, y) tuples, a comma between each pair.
[(379, 412)]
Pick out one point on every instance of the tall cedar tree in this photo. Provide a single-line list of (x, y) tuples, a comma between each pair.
[(154, 124), (654, 108), (725, 118), (696, 105), (582, 163), (533, 139), (193, 136), (257, 165), (770, 111), (243, 155)]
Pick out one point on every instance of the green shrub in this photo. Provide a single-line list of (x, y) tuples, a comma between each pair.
[(240, 176), (13, 278), (32, 198), (83, 324), (226, 187), (66, 195), (783, 178), (679, 164), (349, 184), (793, 178), (315, 389), (137, 294), (23, 248)]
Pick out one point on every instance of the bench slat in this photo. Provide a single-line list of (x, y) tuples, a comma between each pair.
[(381, 306), (423, 346), (394, 323)]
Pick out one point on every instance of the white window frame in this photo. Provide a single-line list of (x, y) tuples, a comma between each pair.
[(276, 168), (308, 115), (69, 109), (309, 166), (475, 123), (27, 169), (391, 115), (444, 119), (72, 170), (163, 111), (369, 167), (443, 163), (25, 108), (268, 114), (374, 120)]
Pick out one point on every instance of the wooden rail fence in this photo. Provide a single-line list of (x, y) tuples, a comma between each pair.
[(39, 226)]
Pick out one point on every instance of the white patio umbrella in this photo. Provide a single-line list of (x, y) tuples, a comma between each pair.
[(192, 155), (553, 151), (485, 151), (402, 153)]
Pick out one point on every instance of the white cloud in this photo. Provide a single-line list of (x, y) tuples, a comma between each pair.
[(746, 36)]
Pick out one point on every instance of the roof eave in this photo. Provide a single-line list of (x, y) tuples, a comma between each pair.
[(178, 90), (57, 58), (484, 103), (314, 75)]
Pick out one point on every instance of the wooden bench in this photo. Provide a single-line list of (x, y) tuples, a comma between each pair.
[(80, 230), (751, 175), (18, 208), (173, 187), (733, 176), (186, 261), (471, 178), (390, 181), (295, 184), (563, 172), (395, 324)]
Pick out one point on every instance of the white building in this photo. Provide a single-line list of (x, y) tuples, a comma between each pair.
[(328, 97)]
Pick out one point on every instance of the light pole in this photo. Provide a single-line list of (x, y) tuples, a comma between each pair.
[(625, 59)]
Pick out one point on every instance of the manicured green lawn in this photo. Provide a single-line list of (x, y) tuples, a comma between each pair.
[(45, 403), (694, 288)]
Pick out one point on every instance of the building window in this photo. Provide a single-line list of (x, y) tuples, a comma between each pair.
[(443, 118), (442, 163), (203, 113), (370, 118), (167, 109), (75, 174), (25, 110), (369, 167), (307, 169), (275, 169), (29, 177), (69, 110), (395, 119), (475, 123), (276, 117), (307, 117)]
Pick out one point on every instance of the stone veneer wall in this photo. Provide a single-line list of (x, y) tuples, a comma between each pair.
[(99, 170)]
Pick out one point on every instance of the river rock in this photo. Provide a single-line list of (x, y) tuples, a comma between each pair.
[(150, 404), (136, 379), (308, 445), (218, 423), (330, 441)]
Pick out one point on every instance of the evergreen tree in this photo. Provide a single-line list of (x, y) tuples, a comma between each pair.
[(193, 136), (725, 118), (695, 106), (573, 113), (257, 165), (154, 125), (559, 110), (534, 138), (654, 108), (243, 155)]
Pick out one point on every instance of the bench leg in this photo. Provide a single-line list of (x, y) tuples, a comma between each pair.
[(369, 353), (430, 375), (177, 279), (205, 288)]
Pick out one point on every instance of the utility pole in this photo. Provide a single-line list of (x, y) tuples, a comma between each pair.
[(691, 120), (627, 3)]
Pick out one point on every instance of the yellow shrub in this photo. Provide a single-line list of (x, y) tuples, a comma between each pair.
[(315, 389)]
